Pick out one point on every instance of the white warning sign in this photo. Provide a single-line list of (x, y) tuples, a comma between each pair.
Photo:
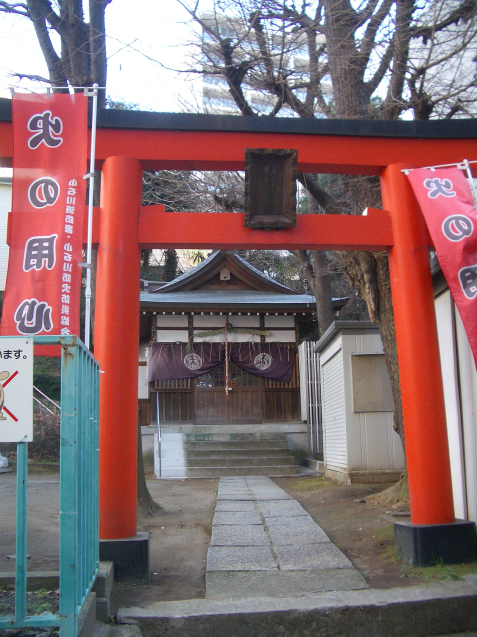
[(16, 389)]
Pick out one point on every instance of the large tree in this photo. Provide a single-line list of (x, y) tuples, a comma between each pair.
[(366, 59), (79, 60)]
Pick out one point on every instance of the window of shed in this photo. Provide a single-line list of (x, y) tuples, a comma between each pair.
[(371, 385)]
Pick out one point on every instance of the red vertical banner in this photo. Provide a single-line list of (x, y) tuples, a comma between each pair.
[(446, 201), (42, 293)]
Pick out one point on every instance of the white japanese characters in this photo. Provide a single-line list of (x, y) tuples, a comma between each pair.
[(44, 278)]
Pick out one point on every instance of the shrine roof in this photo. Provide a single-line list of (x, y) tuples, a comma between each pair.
[(209, 266), (227, 299), (146, 120)]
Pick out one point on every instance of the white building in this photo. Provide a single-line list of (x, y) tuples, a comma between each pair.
[(460, 395), (5, 207)]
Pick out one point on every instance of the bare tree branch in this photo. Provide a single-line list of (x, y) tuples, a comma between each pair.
[(17, 8), (465, 11), (33, 78), (324, 199)]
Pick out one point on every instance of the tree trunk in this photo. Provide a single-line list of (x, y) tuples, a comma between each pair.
[(322, 290), (146, 506), (97, 42), (351, 97), (369, 273), (317, 273), (318, 276)]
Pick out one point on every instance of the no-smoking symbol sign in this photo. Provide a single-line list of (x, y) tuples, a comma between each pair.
[(16, 389)]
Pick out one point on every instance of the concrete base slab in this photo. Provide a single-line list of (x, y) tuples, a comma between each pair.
[(237, 518), (466, 634), (271, 495), (236, 498), (299, 523), (282, 535), (35, 580), (87, 617), (316, 465), (104, 579), (251, 535), (129, 629), (103, 587), (130, 556), (276, 508), (281, 583), (426, 544), (441, 608), (311, 557), (240, 558), (235, 505)]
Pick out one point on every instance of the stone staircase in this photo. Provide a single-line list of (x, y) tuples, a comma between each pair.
[(243, 455), (219, 451)]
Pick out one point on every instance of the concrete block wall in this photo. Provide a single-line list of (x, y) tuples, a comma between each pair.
[(173, 462)]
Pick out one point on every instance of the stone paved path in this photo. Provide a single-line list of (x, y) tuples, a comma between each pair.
[(264, 543)]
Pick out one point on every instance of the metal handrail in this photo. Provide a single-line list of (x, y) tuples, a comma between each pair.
[(43, 406), (47, 398), (159, 436)]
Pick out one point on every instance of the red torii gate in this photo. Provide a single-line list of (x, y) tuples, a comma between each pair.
[(129, 142)]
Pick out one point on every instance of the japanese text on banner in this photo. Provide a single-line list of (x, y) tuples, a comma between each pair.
[(447, 204), (50, 151)]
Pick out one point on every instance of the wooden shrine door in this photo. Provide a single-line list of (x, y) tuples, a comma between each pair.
[(243, 405)]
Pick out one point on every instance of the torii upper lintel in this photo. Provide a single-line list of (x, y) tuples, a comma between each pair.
[(183, 141)]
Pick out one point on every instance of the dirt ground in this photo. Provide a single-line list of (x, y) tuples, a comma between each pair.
[(356, 527), (179, 539), (180, 534)]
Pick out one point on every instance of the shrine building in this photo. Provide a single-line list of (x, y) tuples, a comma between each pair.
[(256, 397)]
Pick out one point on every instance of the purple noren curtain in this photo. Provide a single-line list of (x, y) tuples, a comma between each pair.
[(171, 361), (271, 360)]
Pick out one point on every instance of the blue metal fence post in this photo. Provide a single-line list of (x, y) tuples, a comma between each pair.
[(68, 491), (21, 535)]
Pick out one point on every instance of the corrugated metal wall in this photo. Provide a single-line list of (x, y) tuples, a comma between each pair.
[(312, 390), (5, 207), (334, 413)]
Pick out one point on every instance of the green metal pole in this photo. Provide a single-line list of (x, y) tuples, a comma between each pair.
[(21, 534)]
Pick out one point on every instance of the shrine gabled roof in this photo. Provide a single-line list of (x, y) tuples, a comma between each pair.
[(205, 300), (205, 270), (263, 293)]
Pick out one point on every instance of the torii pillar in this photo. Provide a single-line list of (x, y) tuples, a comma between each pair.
[(433, 533), (117, 350)]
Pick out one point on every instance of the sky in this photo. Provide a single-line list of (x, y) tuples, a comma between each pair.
[(155, 28)]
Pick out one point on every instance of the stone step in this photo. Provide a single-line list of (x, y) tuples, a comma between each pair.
[(226, 453), (237, 452), (225, 434), (436, 608), (317, 465), (239, 462), (223, 472), (235, 444), (230, 437)]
